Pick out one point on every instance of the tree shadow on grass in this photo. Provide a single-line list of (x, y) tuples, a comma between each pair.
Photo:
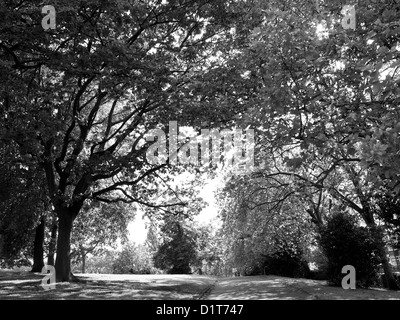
[(322, 291), (25, 285), (282, 288), (256, 288)]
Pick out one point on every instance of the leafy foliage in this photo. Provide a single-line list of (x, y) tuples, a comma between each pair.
[(80, 99), (102, 263), (99, 228), (346, 243), (324, 103), (261, 222), (389, 211), (22, 201), (287, 262), (209, 248), (133, 259), (178, 250), (77, 102)]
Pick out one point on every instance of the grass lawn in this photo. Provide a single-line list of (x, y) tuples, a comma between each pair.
[(26, 285)]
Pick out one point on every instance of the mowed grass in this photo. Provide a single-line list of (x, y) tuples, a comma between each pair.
[(25, 285), (16, 285)]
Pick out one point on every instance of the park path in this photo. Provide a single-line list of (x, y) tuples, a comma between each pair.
[(281, 288), (26, 285), (257, 288)]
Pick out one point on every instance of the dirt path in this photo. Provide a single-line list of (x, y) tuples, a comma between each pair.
[(280, 288)]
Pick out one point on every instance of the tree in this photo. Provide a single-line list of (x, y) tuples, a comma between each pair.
[(102, 263), (346, 243), (93, 87), (23, 207), (178, 250), (261, 221), (209, 249), (388, 209), (53, 240), (134, 259), (320, 104), (38, 250), (99, 228)]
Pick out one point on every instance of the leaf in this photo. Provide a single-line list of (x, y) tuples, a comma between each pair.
[(395, 64), (376, 88), (294, 162)]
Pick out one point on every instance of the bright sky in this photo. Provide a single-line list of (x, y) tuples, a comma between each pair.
[(137, 228)]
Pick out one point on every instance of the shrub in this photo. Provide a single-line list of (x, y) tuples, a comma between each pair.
[(177, 254), (287, 261), (346, 243), (101, 263), (133, 259), (384, 280)]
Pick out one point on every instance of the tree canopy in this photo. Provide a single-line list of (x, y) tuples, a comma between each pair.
[(78, 101)]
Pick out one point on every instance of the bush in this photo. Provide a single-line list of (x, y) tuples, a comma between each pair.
[(16, 262), (384, 281), (133, 259), (288, 261), (177, 254), (318, 275), (253, 271), (180, 269), (346, 243)]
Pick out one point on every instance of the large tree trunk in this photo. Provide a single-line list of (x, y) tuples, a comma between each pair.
[(38, 262), (63, 259), (53, 242)]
